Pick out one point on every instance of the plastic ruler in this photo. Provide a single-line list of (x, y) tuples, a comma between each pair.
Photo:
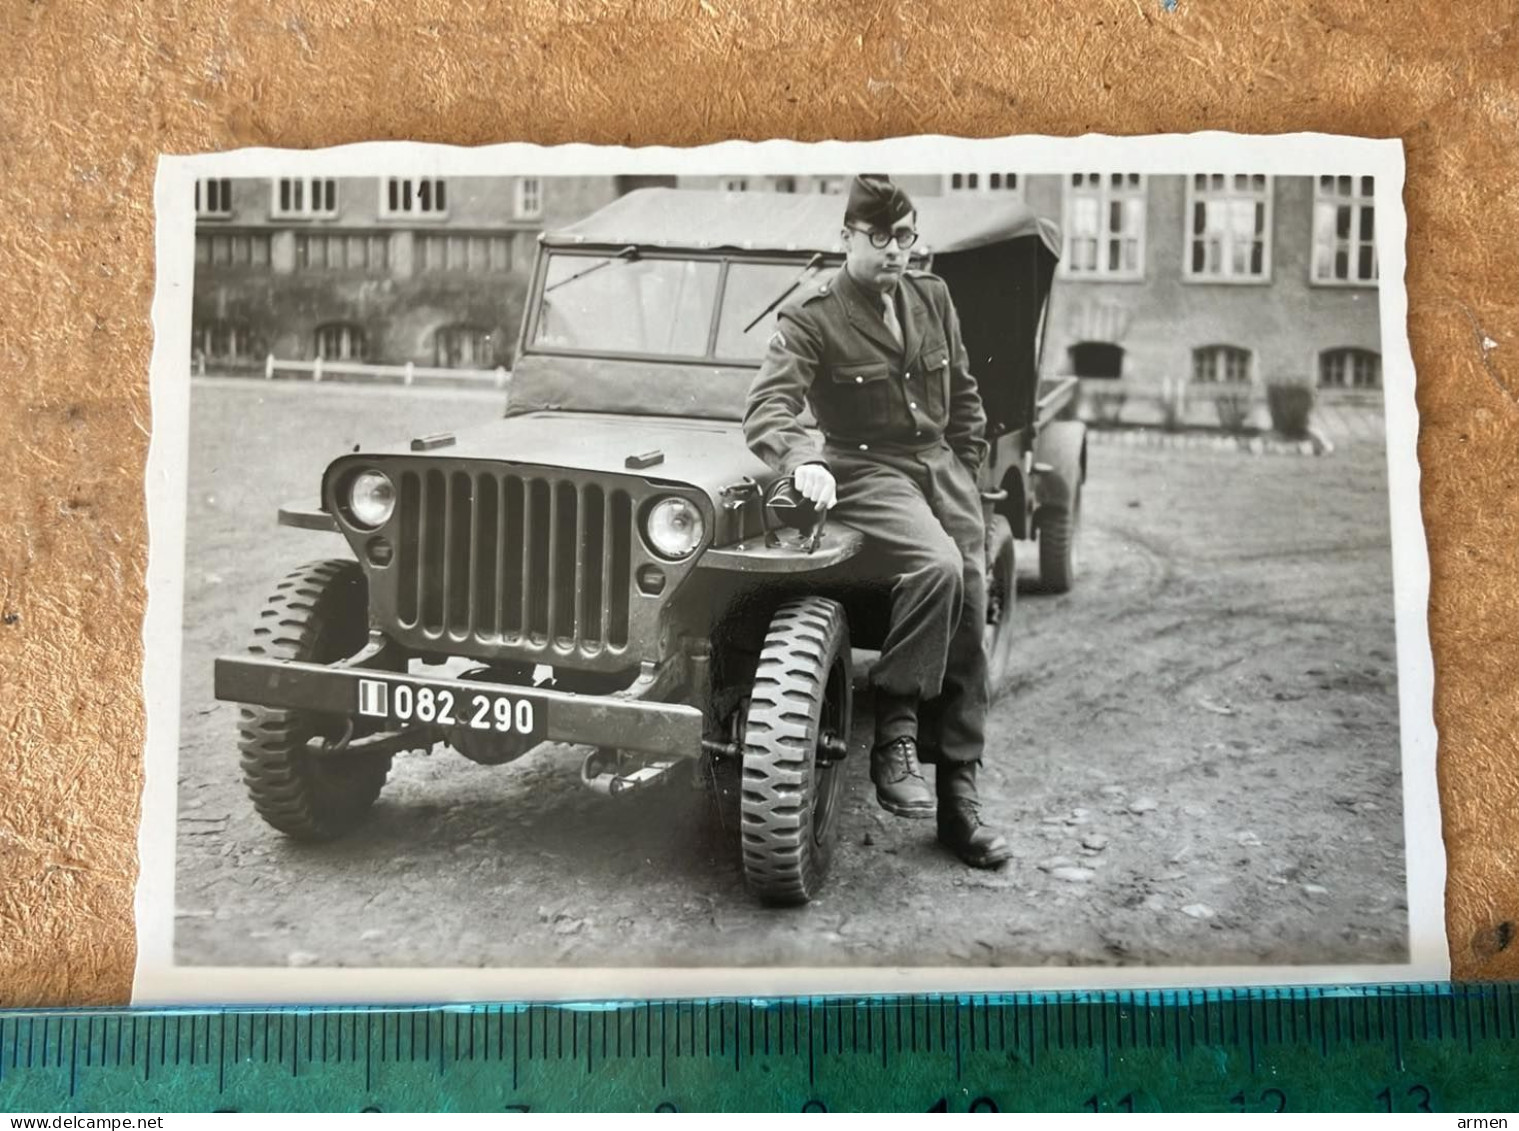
[(1376, 1048)]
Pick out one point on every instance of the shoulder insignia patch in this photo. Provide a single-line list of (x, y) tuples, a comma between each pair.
[(778, 340)]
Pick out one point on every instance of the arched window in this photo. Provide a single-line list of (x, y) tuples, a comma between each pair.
[(222, 340), (1220, 365), (341, 341), (1350, 368), (464, 347)]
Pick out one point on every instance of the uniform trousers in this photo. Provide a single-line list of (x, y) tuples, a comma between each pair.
[(921, 515)]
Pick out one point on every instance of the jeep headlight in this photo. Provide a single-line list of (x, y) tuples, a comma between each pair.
[(674, 527), (371, 498)]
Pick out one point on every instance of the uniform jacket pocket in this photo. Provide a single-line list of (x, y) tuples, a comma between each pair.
[(861, 395), (933, 360)]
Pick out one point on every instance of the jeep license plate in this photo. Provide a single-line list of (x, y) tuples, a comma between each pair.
[(408, 704)]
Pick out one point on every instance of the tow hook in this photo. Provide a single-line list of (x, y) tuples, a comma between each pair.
[(600, 773), (332, 748)]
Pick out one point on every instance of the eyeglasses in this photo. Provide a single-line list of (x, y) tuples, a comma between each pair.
[(904, 238)]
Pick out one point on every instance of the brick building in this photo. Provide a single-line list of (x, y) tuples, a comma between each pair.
[(430, 270), (1166, 281), (1208, 279)]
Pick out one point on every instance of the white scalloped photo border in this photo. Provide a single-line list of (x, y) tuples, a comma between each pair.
[(160, 981)]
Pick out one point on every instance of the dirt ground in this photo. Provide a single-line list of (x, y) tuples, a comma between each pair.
[(1196, 762)]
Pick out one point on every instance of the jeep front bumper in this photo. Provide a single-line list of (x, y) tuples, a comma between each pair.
[(623, 720)]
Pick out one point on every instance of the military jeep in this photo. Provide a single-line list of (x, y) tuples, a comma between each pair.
[(608, 565)]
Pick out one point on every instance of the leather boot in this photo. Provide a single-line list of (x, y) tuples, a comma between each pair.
[(900, 787), (959, 816)]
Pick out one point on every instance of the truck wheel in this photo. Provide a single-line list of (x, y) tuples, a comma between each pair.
[(795, 733), (1001, 591), (1058, 560), (318, 614)]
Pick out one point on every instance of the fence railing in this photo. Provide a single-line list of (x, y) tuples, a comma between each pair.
[(1178, 403), (320, 369)]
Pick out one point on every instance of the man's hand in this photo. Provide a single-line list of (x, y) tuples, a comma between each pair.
[(815, 483)]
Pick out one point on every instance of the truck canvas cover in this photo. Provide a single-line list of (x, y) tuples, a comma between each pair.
[(791, 222), (997, 256)]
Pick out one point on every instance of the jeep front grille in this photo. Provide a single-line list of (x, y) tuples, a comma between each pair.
[(530, 561)]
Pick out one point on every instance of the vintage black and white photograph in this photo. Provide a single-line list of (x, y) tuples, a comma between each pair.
[(978, 564)]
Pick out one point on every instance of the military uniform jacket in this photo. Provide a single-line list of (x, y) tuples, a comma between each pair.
[(832, 351)]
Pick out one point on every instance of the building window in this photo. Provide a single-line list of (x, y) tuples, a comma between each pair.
[(1220, 365), (341, 341), (735, 184), (414, 196), (232, 249), (1344, 231), (1350, 369), (478, 255), (982, 181), (1229, 227), (341, 252), (529, 198), (221, 340), (213, 197), (303, 197), (1101, 360), (464, 347), (1105, 225), (785, 184), (831, 186)]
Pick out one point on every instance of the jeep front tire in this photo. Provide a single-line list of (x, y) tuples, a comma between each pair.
[(318, 614), (795, 734)]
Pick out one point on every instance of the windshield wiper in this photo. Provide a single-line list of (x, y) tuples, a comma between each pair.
[(780, 298), (626, 255)]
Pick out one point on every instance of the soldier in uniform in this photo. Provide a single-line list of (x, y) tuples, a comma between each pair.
[(875, 351)]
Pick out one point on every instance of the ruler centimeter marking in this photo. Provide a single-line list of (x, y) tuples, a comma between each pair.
[(953, 1042)]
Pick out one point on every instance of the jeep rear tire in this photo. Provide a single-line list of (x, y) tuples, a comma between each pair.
[(1058, 530), (318, 614), (795, 732), (1001, 592)]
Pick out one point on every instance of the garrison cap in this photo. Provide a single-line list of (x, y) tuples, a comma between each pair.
[(875, 202)]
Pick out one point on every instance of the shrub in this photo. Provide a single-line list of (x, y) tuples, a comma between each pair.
[(1173, 404), (1233, 404), (1106, 405), (1291, 406)]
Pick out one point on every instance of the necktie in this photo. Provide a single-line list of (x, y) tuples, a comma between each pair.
[(889, 312)]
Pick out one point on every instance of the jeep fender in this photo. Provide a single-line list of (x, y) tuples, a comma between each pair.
[(1016, 507), (840, 543), (1061, 447)]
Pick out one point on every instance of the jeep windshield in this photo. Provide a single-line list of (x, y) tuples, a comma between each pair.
[(663, 307)]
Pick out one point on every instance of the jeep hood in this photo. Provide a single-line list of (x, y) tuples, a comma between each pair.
[(708, 454)]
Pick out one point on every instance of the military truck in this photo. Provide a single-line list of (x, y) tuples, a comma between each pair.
[(608, 565)]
